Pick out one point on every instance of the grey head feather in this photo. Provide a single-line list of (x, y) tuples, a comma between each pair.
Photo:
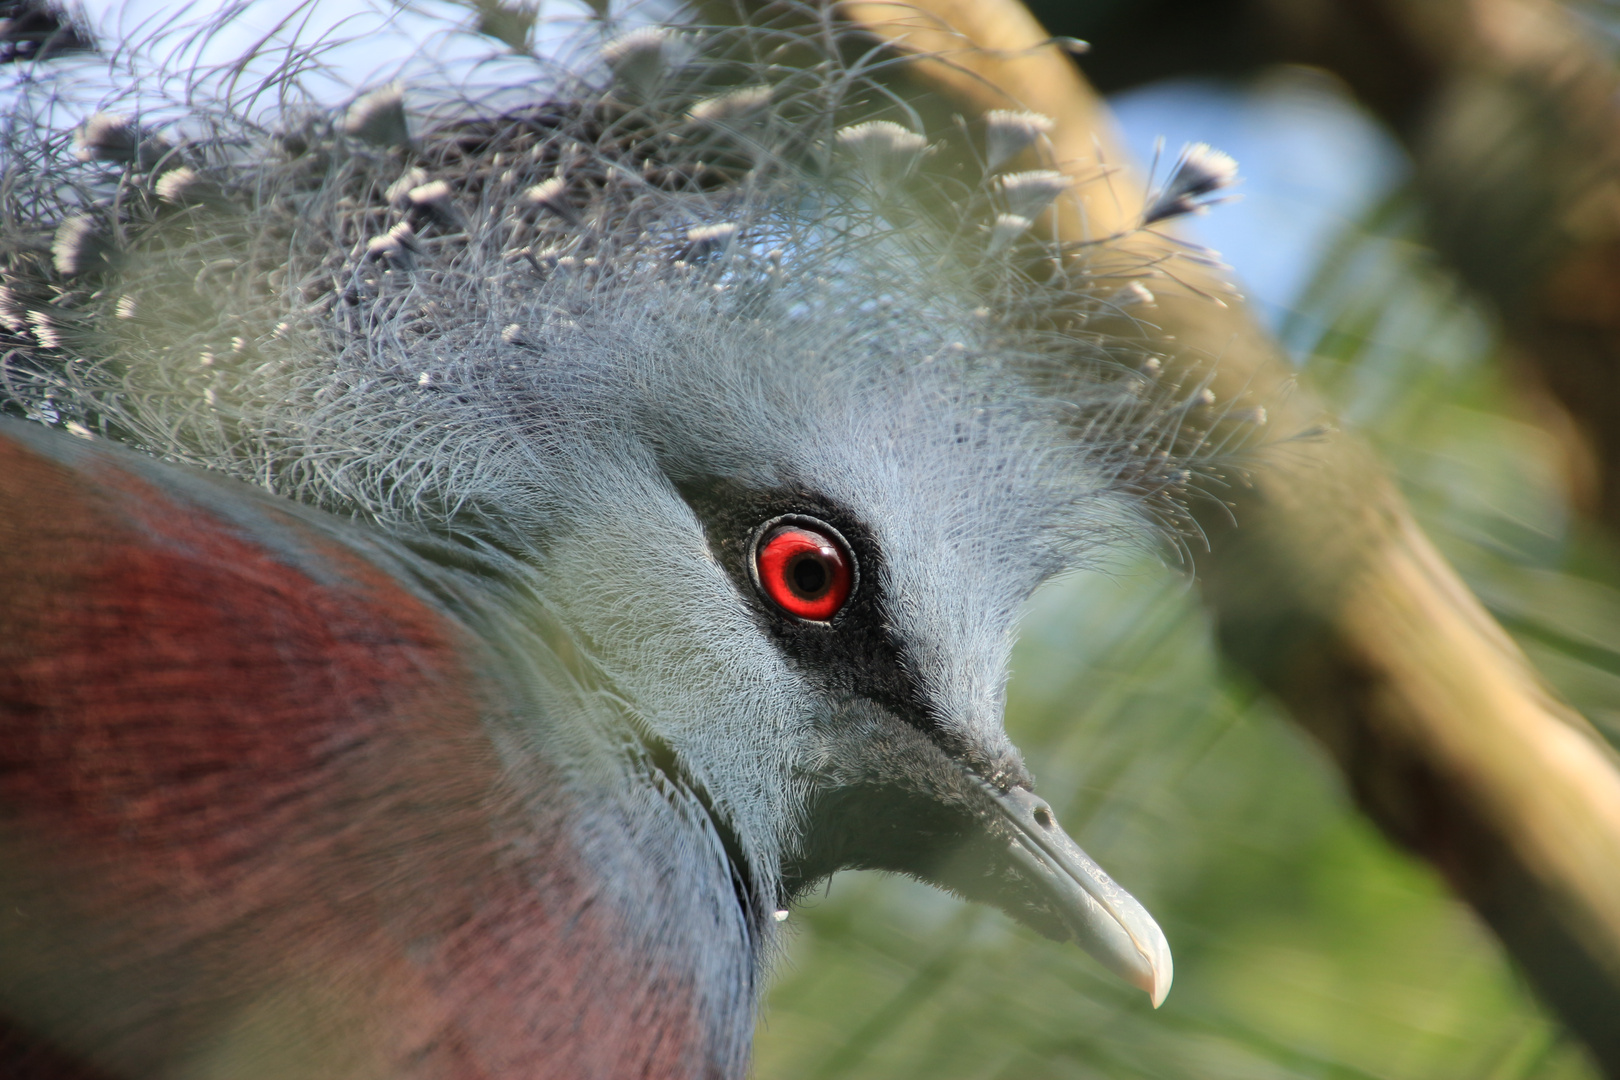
[(601, 338)]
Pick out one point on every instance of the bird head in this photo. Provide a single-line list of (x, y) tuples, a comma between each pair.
[(780, 450)]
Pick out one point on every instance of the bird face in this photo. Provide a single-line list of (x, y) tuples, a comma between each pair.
[(810, 599)]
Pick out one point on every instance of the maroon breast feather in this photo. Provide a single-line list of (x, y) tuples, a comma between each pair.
[(252, 821)]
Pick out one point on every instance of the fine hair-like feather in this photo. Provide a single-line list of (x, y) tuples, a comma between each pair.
[(582, 327), (418, 328)]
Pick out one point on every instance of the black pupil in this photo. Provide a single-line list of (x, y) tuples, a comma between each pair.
[(808, 575)]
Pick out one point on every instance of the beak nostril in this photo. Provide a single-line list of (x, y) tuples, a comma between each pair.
[(1043, 817)]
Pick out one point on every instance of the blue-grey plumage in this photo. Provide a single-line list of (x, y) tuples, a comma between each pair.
[(606, 347)]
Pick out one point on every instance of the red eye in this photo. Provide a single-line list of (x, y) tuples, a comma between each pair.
[(804, 570)]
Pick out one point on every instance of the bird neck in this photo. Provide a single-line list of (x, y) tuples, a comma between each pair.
[(648, 887)]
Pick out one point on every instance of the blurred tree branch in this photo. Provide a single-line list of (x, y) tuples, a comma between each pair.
[(1328, 593), (1511, 112)]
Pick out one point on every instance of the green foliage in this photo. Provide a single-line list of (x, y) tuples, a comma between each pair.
[(1408, 361), (1305, 945)]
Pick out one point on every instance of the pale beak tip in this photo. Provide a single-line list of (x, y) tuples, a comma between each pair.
[(1159, 975)]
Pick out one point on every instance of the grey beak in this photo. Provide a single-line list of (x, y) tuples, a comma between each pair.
[(1106, 920)]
